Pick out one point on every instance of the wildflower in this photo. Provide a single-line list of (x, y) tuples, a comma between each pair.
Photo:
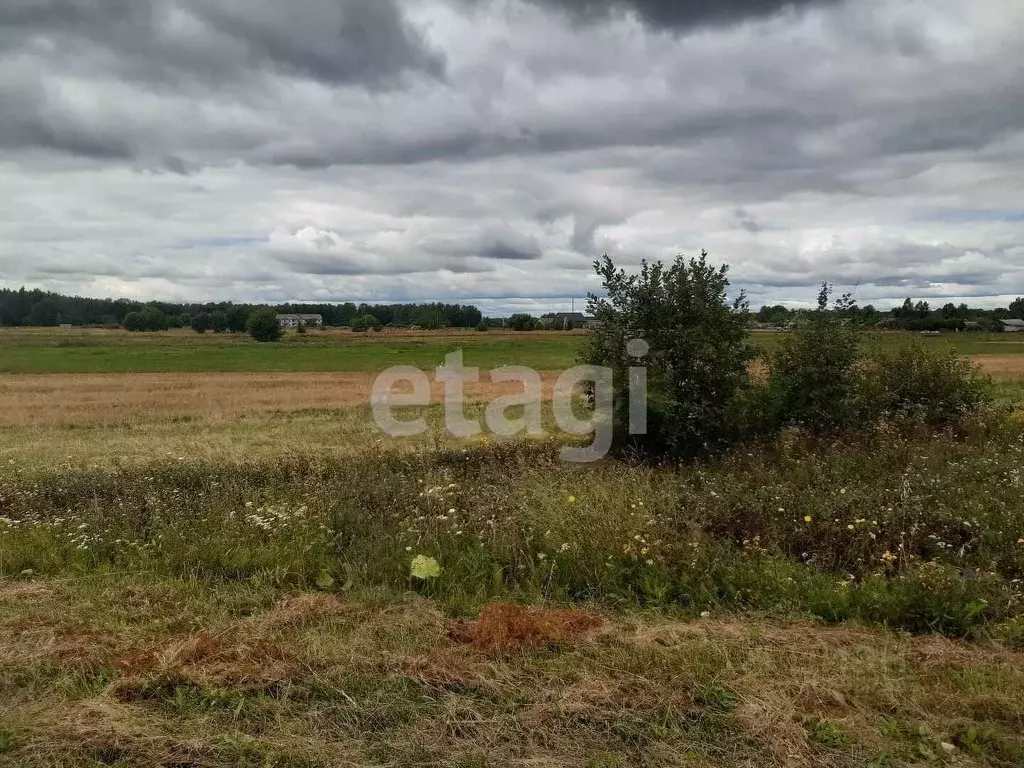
[(808, 519), (541, 556), (850, 527), (705, 614), (650, 562), (572, 499)]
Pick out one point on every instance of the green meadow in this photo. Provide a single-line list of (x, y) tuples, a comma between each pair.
[(103, 351)]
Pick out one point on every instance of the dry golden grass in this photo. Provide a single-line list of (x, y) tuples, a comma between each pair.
[(314, 680), (92, 399), (1005, 367)]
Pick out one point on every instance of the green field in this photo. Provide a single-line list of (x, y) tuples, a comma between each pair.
[(208, 560), (122, 352), (94, 351)]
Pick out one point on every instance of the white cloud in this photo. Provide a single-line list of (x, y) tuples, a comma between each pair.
[(490, 151)]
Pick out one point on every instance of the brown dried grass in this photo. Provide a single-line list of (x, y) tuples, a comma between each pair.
[(487, 691), (88, 399), (1001, 366), (506, 628)]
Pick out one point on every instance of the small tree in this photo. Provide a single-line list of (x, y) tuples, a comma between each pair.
[(133, 322), (522, 322), (264, 326), (237, 318), (201, 323), (483, 327), (696, 357), (366, 323), (218, 322), (1017, 308), (153, 319), (812, 376)]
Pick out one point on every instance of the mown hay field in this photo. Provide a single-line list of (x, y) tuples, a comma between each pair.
[(205, 551)]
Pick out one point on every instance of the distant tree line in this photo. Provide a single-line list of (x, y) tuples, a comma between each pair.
[(910, 316), (25, 307), (41, 308)]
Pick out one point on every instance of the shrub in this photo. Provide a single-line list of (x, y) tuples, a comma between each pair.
[(149, 319), (218, 322), (812, 376), (697, 358), (483, 327), (522, 322), (921, 385), (366, 323), (133, 321), (263, 326), (237, 317), (201, 323)]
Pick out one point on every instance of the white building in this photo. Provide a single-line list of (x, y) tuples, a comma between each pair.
[(294, 321), (1013, 326)]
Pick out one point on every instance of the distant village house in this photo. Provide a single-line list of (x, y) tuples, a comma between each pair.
[(294, 321), (565, 321), (1013, 326)]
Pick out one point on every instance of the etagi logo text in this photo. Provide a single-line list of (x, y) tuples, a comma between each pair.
[(453, 375)]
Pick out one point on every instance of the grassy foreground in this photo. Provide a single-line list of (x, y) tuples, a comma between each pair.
[(789, 605), (137, 670)]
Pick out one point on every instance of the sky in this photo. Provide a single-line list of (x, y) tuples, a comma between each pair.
[(488, 151)]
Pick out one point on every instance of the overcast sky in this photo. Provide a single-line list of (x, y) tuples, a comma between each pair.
[(333, 150)]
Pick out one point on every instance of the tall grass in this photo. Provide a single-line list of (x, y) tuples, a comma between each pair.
[(924, 534)]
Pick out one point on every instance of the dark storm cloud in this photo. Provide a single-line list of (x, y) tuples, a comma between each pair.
[(681, 13), (35, 129), (366, 42), (506, 252), (363, 41)]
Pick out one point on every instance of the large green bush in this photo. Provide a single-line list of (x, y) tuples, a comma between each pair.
[(826, 379), (202, 322), (522, 322), (366, 323), (697, 355), (925, 386), (812, 375), (264, 326)]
